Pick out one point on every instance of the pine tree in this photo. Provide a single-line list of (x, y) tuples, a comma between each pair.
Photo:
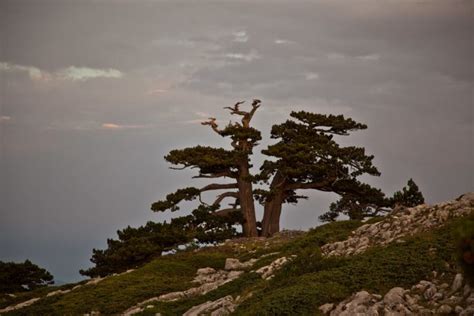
[(410, 195), (221, 163), (18, 277), (306, 157), (368, 202)]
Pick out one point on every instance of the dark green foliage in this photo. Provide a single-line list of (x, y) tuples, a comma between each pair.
[(115, 294), (364, 201), (26, 276), (207, 159), (465, 245), (409, 196), (173, 199), (361, 202), (137, 246), (310, 281), (307, 154), (238, 132)]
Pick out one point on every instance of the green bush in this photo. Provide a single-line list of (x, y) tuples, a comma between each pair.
[(26, 276), (137, 246)]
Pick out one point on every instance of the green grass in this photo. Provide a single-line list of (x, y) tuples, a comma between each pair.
[(299, 288), (116, 294)]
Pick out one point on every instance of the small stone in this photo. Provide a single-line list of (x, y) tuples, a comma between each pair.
[(437, 296), (430, 292), (410, 300), (235, 264), (457, 283), (326, 308), (394, 297), (206, 271), (470, 299), (377, 296), (444, 286), (425, 312), (445, 309), (458, 309), (469, 311), (467, 290)]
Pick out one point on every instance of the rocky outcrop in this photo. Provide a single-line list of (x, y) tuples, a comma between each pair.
[(20, 305), (208, 279), (401, 223), (235, 264), (267, 272), (223, 306), (425, 298)]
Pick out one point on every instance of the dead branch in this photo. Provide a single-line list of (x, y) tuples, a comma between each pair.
[(224, 195), (226, 211)]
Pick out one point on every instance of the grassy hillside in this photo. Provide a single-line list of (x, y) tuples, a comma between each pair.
[(309, 281)]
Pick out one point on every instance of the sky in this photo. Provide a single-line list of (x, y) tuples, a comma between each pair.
[(93, 94)]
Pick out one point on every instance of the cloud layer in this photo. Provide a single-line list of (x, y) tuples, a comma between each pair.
[(69, 73)]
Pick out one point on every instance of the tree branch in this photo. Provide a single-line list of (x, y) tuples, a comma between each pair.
[(219, 186), (179, 168), (236, 109), (246, 116), (213, 124), (215, 175), (224, 195), (226, 211), (255, 106)]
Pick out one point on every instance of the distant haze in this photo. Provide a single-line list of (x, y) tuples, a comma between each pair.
[(93, 94)]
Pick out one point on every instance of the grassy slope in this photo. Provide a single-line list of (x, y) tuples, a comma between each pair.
[(299, 288)]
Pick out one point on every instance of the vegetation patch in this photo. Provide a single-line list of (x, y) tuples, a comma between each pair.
[(310, 281)]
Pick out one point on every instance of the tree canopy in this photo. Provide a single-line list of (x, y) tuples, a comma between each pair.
[(19, 277), (370, 202), (136, 246)]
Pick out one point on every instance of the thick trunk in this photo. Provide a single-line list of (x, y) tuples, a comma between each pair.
[(273, 205), (249, 225), (271, 216)]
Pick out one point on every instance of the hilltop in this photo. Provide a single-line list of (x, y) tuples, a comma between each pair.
[(408, 262)]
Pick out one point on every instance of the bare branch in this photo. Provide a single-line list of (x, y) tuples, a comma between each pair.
[(213, 124), (201, 201), (219, 186), (255, 105), (216, 186), (179, 168), (215, 175), (236, 109), (226, 211), (224, 195)]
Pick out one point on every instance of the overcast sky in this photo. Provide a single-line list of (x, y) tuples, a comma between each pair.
[(94, 94)]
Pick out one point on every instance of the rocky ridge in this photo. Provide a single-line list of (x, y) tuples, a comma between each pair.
[(401, 223), (210, 279), (433, 297), (425, 298)]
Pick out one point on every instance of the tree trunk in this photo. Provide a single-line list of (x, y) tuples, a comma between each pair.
[(273, 206), (271, 216), (249, 225)]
